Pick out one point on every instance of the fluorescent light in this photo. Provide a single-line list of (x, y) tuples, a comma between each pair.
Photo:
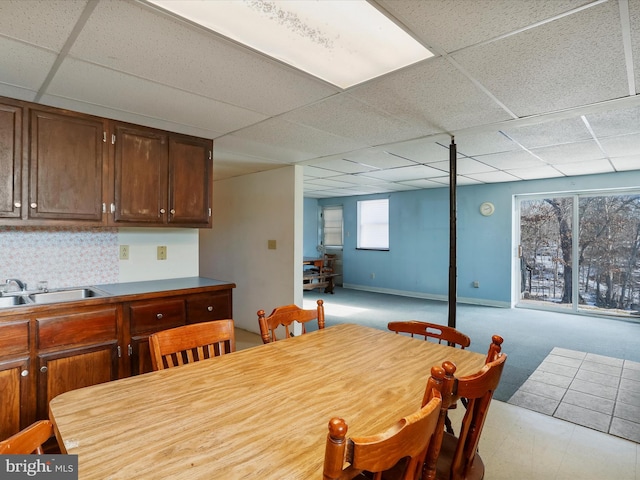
[(344, 42)]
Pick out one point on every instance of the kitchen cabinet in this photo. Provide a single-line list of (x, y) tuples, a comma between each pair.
[(66, 161), (10, 160), (161, 178), (15, 376), (75, 349), (48, 349), (206, 307), (145, 318)]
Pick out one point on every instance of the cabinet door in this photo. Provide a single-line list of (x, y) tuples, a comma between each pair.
[(206, 307), (141, 169), (10, 161), (190, 181), (75, 349), (15, 377), (66, 167), (147, 317)]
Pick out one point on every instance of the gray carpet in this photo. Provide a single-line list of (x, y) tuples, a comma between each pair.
[(529, 335)]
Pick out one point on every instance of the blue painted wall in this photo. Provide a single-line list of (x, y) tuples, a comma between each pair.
[(417, 263)]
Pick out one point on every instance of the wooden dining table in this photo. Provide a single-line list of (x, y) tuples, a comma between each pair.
[(256, 413)]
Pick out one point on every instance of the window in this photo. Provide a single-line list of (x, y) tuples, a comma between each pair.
[(373, 224), (332, 226)]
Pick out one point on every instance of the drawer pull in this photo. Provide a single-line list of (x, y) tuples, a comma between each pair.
[(210, 308), (44, 369), (24, 373), (159, 316)]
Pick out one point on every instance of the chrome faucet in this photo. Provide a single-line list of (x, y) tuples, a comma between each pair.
[(19, 283)]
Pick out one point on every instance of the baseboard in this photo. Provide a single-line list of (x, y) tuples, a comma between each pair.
[(428, 296)]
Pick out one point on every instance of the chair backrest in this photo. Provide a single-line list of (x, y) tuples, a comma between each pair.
[(191, 343), (29, 440), (407, 440), (457, 462), (285, 316), (328, 264), (427, 330)]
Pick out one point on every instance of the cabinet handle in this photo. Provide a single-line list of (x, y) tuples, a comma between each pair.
[(159, 316), (34, 205), (162, 211), (210, 308), (24, 373), (119, 352), (43, 369), (172, 211), (17, 204), (129, 349), (113, 208)]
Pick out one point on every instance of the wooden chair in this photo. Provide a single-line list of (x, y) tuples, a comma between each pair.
[(192, 343), (285, 316), (453, 457), (29, 440), (399, 451), (439, 333), (434, 331)]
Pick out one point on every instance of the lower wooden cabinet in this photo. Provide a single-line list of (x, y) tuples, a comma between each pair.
[(145, 318), (57, 348), (15, 377), (75, 350)]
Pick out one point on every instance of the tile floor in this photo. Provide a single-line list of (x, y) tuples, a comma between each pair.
[(519, 443), (602, 393)]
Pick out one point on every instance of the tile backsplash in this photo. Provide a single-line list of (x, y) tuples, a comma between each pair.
[(62, 256)]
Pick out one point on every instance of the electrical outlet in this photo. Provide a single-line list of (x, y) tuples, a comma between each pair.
[(476, 284), (162, 252), (373, 275), (124, 252)]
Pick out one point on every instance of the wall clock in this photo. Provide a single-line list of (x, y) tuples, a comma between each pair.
[(487, 209)]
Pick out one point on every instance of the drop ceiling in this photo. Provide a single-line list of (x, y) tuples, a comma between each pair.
[(529, 89)]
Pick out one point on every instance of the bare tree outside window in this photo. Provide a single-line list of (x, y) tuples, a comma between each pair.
[(607, 253)]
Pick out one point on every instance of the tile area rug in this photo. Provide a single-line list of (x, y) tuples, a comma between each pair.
[(602, 393)]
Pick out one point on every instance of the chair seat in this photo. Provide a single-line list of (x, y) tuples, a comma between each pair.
[(443, 468)]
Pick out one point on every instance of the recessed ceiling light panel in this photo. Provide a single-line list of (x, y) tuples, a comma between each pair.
[(343, 42)]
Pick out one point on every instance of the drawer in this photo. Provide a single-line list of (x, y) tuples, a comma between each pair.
[(81, 328), (147, 317), (14, 338), (208, 307)]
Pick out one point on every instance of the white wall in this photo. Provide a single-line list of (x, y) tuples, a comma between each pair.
[(143, 263), (247, 212)]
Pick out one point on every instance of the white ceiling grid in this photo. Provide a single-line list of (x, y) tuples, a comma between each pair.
[(530, 88)]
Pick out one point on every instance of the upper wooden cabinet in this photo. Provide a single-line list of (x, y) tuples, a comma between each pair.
[(161, 178), (59, 167), (66, 166), (10, 160)]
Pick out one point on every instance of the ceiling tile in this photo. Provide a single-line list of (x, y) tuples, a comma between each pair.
[(622, 164), (556, 65), (377, 158), (405, 173), (340, 165), (344, 115), (424, 150), (535, 173), (135, 38), (454, 25), (464, 166), (493, 177), (23, 65), (472, 144), (553, 132), (318, 172), (360, 179), (586, 168), (570, 152), (510, 160), (622, 146), (46, 24), (423, 183), (430, 95), (615, 122)]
